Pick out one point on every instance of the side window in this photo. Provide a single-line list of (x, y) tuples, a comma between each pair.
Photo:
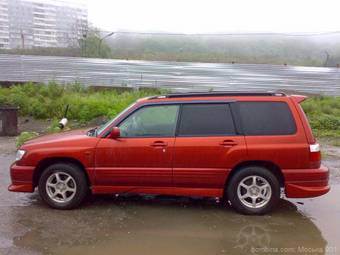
[(266, 118), (151, 121), (206, 120)]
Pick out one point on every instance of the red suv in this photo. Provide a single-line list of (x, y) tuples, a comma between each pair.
[(247, 148)]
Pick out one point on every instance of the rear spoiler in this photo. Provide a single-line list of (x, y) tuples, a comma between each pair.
[(298, 98)]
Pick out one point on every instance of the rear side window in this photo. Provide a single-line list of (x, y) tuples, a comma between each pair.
[(206, 120), (266, 118)]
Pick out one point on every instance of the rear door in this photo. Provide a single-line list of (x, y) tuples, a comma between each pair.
[(206, 146), (272, 134)]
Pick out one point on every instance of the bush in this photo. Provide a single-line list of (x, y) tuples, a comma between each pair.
[(49, 101), (24, 137), (324, 115), (325, 122)]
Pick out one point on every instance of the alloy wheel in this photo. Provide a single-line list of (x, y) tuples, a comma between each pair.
[(61, 187)]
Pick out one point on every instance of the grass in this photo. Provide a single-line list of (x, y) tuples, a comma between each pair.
[(324, 115), (23, 137), (49, 101)]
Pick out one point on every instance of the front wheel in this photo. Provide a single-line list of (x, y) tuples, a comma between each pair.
[(63, 186), (253, 190)]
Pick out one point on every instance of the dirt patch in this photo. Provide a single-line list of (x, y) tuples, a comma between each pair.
[(7, 145), (331, 158), (30, 124), (330, 151)]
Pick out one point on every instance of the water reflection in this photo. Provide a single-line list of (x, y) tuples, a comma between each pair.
[(253, 236), (160, 225)]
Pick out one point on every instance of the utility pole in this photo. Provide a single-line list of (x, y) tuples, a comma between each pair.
[(101, 40), (83, 45), (22, 39), (327, 58)]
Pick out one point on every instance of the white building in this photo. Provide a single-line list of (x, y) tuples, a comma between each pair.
[(4, 25), (41, 23)]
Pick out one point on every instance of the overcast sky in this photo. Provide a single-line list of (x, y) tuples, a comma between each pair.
[(215, 16)]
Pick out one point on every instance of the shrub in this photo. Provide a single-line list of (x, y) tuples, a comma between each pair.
[(24, 137), (49, 101), (324, 115)]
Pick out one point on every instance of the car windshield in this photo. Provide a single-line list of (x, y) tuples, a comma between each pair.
[(101, 128)]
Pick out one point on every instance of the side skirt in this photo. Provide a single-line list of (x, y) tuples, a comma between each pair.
[(176, 191)]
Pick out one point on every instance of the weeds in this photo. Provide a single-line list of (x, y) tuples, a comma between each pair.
[(324, 115), (49, 101), (24, 137)]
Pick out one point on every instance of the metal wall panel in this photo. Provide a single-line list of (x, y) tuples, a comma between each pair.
[(179, 76)]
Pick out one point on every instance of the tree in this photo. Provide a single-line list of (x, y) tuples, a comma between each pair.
[(93, 46)]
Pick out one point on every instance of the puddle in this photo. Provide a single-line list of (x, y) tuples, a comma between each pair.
[(164, 225)]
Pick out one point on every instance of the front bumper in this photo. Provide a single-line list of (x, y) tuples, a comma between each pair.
[(22, 178), (303, 183)]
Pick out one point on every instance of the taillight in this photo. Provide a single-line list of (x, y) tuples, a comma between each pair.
[(314, 155)]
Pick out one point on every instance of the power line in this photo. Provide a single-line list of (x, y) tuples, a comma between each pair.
[(228, 34)]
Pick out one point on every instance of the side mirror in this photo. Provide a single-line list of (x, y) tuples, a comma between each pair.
[(115, 133)]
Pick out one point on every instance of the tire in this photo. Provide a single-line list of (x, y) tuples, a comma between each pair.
[(243, 189), (63, 186)]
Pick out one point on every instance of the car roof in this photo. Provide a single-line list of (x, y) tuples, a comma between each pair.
[(212, 96)]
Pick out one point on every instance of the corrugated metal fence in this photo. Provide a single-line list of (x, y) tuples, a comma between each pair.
[(180, 76)]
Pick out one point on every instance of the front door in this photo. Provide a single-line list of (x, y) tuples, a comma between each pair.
[(142, 155), (206, 147)]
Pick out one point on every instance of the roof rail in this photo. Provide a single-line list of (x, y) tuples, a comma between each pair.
[(221, 93)]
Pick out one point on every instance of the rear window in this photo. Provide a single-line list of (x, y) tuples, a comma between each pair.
[(266, 118), (206, 120)]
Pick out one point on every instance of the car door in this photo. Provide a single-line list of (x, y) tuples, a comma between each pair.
[(207, 146), (142, 155)]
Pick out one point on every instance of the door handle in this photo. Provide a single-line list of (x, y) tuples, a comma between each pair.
[(159, 144), (228, 143)]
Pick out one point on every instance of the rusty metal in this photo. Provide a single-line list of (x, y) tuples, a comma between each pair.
[(8, 121)]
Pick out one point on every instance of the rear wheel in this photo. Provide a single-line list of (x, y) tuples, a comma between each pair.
[(253, 190), (63, 186)]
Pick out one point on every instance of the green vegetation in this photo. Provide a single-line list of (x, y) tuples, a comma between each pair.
[(254, 49), (93, 46), (45, 51), (49, 101), (90, 46), (322, 50), (24, 137), (324, 115)]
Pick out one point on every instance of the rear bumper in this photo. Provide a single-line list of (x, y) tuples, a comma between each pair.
[(302, 183), (22, 178)]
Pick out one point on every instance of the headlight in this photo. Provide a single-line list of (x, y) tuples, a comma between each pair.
[(20, 154)]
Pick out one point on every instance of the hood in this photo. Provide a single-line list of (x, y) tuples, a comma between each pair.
[(58, 137)]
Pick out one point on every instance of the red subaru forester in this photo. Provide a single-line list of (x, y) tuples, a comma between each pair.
[(243, 147)]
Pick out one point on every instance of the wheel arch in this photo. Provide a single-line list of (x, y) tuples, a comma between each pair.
[(272, 167), (44, 163)]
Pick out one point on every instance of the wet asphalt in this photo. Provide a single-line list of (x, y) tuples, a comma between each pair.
[(164, 225)]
